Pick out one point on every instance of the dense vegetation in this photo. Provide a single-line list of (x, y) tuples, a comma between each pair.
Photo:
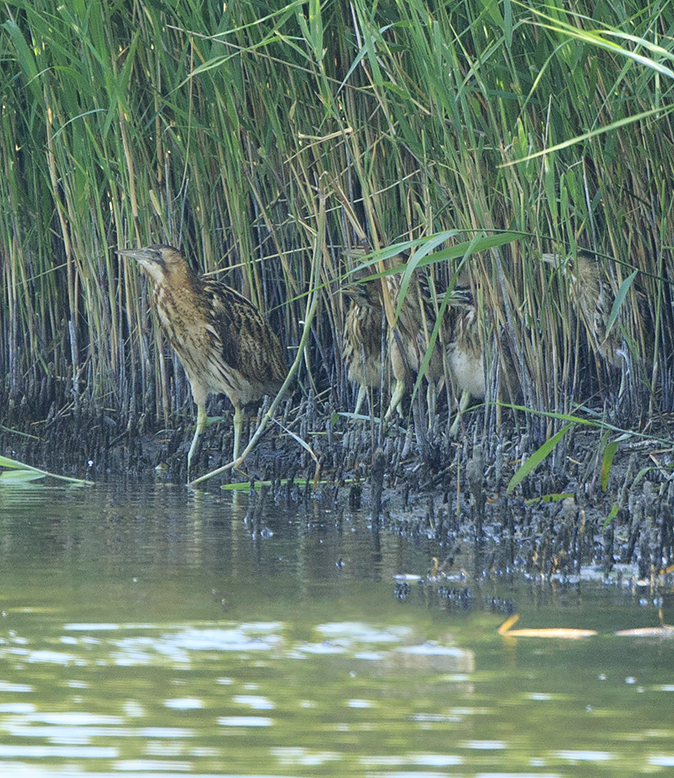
[(262, 138)]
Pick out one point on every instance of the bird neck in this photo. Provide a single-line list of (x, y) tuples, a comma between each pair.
[(177, 277), (178, 295)]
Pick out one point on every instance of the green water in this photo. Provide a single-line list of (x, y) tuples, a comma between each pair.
[(148, 631)]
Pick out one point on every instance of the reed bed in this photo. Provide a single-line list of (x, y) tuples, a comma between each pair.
[(225, 129)]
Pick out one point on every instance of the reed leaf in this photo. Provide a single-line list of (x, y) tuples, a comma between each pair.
[(536, 458)]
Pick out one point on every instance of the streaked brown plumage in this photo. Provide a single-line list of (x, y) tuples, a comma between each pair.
[(409, 341), (407, 344), (223, 342), (465, 349), (363, 337), (593, 300), (590, 295)]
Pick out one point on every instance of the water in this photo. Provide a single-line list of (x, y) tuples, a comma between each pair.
[(147, 631)]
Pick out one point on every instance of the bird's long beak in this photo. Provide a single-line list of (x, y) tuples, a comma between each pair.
[(140, 255), (558, 260), (149, 260)]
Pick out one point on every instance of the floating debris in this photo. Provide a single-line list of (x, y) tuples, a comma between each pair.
[(663, 631), (564, 634)]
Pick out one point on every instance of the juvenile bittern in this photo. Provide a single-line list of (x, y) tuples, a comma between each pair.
[(410, 341), (464, 338), (223, 342), (407, 343), (593, 301), (464, 347), (363, 337)]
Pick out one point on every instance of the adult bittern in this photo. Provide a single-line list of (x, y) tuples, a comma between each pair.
[(223, 342)]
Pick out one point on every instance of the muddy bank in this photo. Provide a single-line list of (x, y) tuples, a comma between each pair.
[(558, 522)]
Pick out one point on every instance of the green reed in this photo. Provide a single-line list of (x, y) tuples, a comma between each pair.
[(217, 128)]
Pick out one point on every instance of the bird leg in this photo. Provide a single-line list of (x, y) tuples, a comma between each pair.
[(396, 399), (362, 391), (201, 423), (238, 423), (463, 404)]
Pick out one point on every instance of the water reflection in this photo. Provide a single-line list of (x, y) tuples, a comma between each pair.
[(156, 632)]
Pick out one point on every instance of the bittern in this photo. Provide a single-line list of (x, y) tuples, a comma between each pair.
[(464, 347), (222, 340), (410, 340), (407, 343), (363, 337), (463, 335), (593, 300)]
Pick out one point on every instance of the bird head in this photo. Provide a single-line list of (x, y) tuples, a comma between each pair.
[(558, 260), (582, 271), (157, 261), (364, 293)]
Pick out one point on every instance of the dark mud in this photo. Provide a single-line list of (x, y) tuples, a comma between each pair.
[(558, 523)]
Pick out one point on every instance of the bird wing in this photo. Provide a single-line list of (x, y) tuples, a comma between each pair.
[(246, 341)]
